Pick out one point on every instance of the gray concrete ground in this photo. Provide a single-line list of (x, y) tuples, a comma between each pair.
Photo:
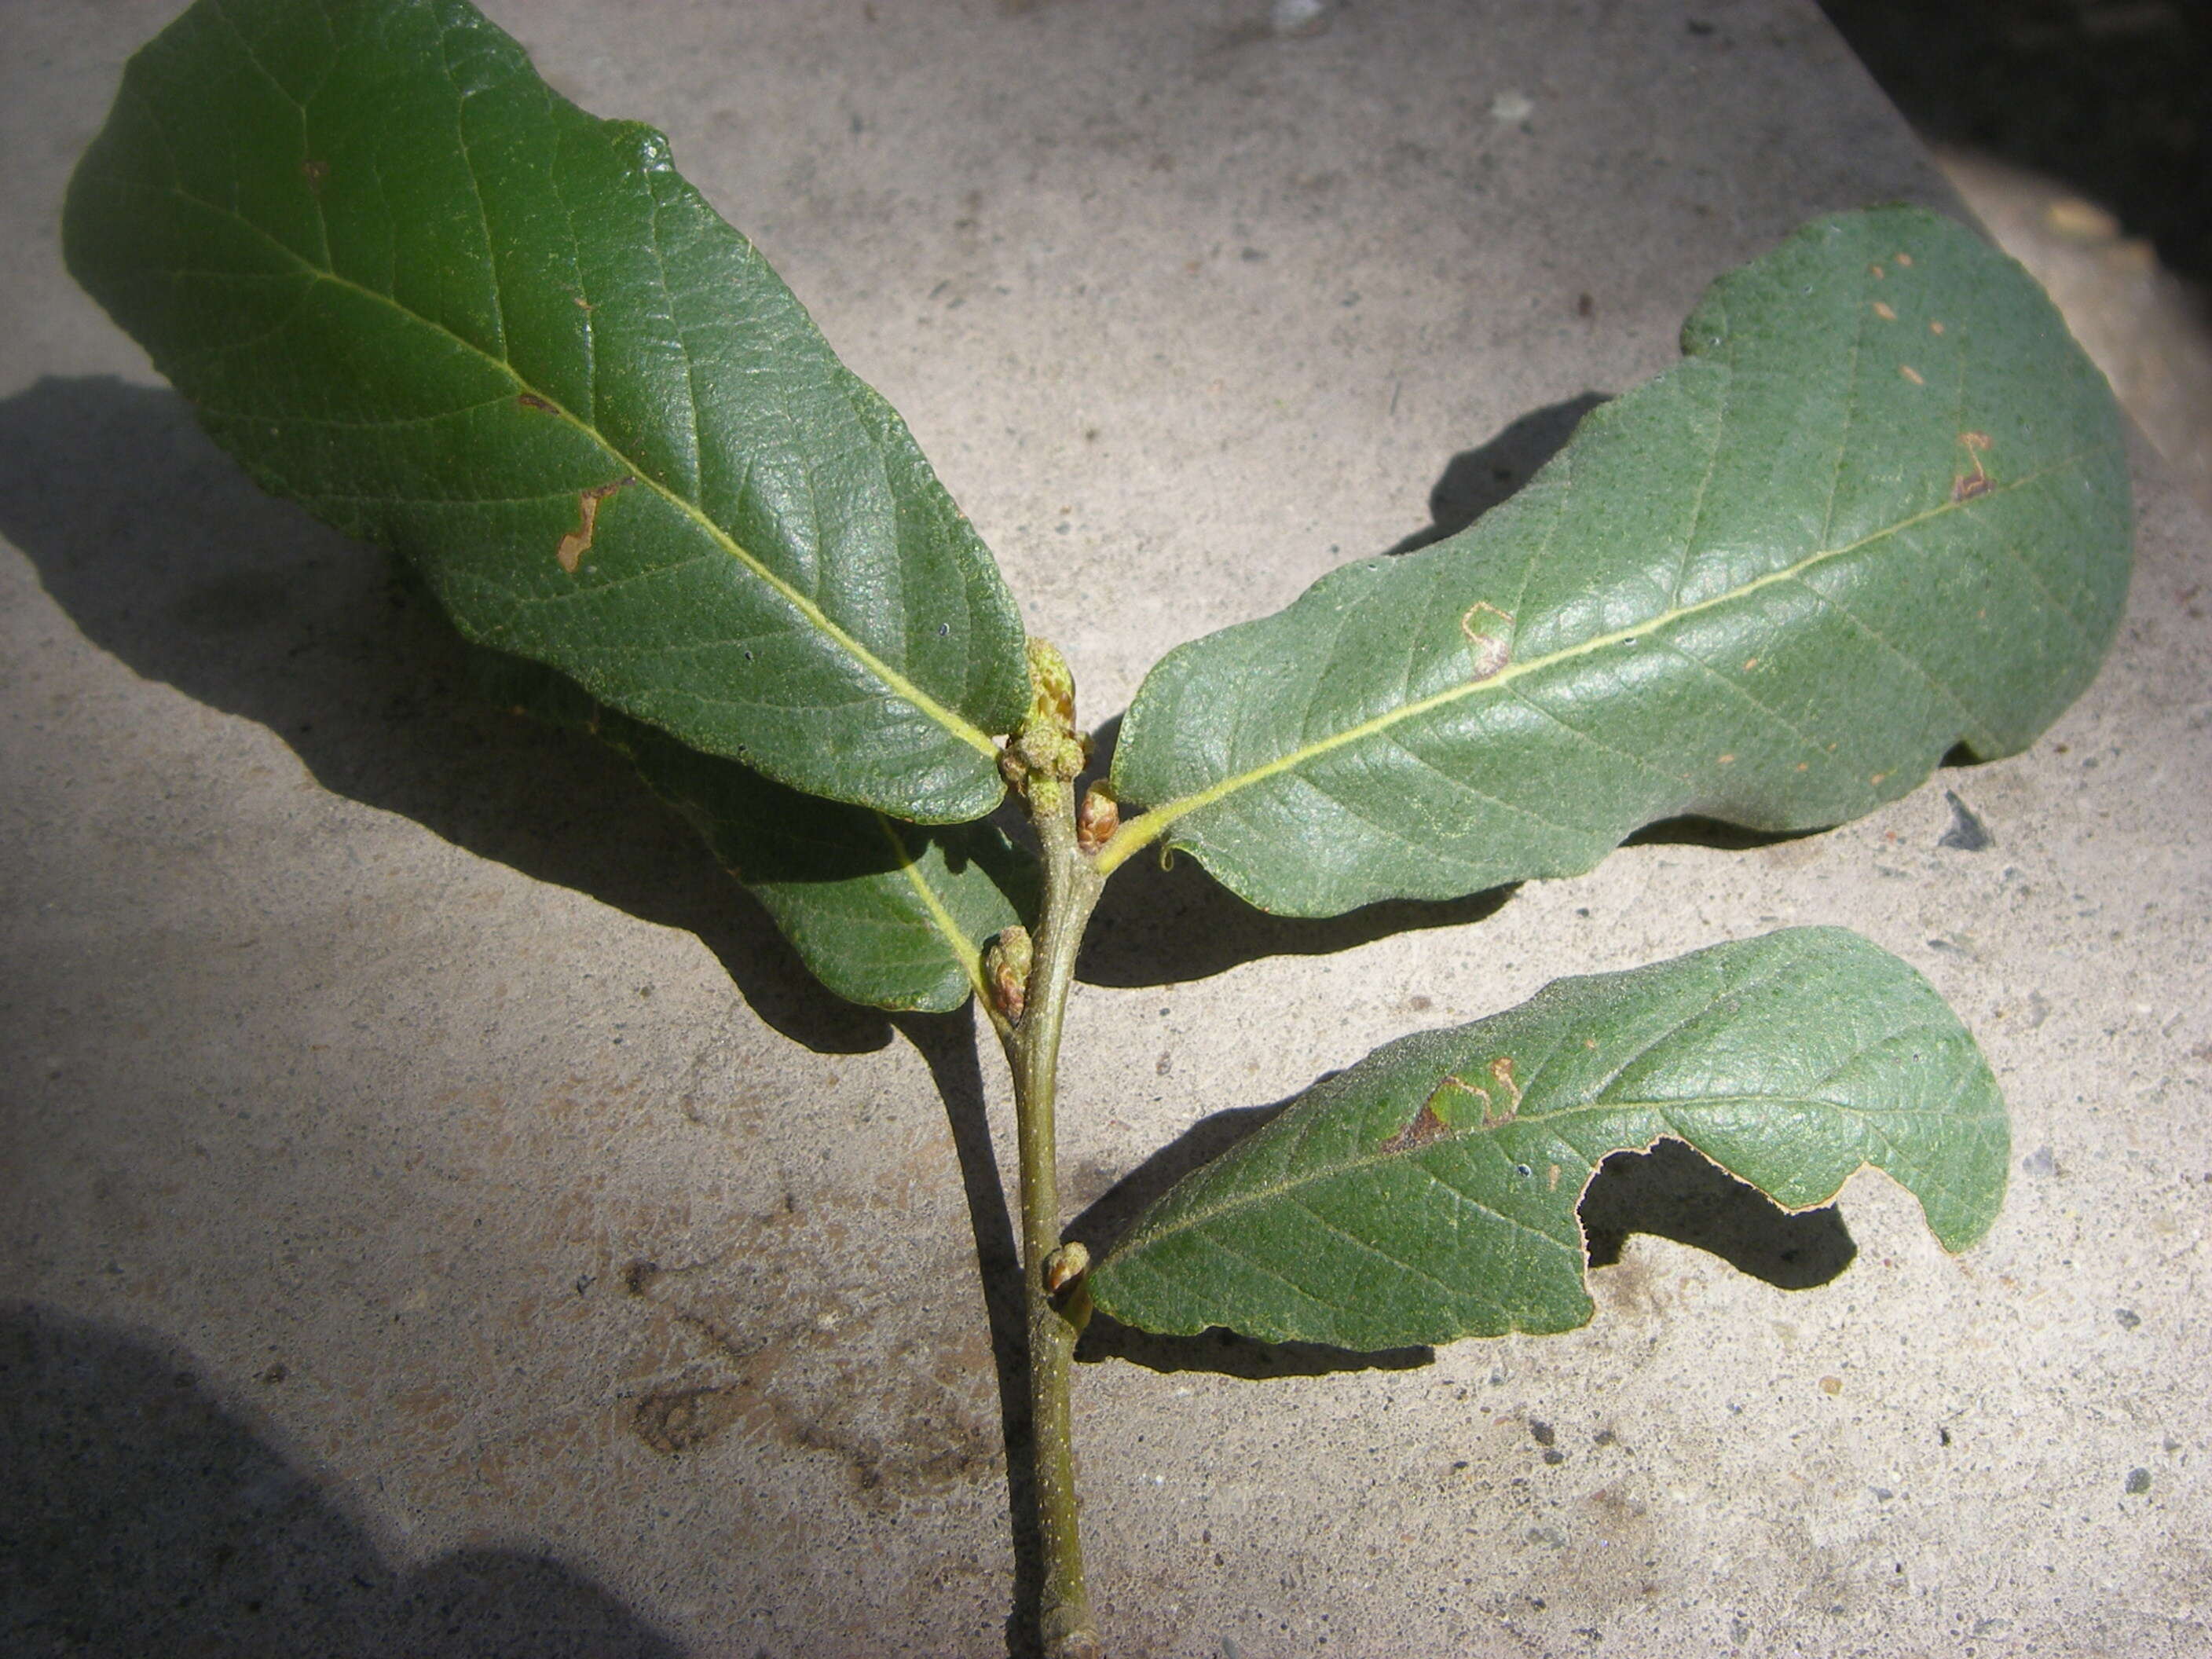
[(440, 1218)]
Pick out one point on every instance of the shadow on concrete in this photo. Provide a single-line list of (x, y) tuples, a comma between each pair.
[(1675, 1192), (2115, 99), (143, 1517), (947, 1042), (166, 555), (1167, 925), (1692, 830), (1670, 1192), (1475, 480)]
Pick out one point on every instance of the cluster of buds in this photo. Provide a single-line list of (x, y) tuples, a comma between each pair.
[(1046, 752)]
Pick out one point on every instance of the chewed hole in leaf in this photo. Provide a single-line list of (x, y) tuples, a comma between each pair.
[(1673, 1192)]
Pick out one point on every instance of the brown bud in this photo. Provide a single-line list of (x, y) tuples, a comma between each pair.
[(1006, 962), (1097, 818), (1065, 1266)]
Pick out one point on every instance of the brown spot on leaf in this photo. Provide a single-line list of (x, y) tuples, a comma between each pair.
[(1934, 328), (1552, 1178), (1965, 487), (1501, 1069), (1425, 1128), (1878, 272), (1904, 260), (1491, 652), (1884, 311), (532, 400), (578, 542), (315, 173), (1911, 374)]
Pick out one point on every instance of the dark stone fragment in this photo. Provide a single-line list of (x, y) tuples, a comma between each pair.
[(1967, 833)]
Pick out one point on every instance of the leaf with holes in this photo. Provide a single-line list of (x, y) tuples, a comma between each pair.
[(892, 914), (409, 284), (1881, 510), (1430, 1192)]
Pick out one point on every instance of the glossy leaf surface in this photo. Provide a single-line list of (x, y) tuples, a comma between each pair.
[(1430, 1192), (888, 914), (408, 284), (1882, 509)]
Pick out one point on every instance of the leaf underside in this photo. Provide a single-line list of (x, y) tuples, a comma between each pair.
[(406, 283), (1430, 1192), (1882, 509), (887, 914)]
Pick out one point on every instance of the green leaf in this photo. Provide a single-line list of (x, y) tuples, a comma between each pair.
[(882, 912), (1430, 1192), (410, 285), (1881, 510)]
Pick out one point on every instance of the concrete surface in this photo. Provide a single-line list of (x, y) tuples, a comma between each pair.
[(439, 1218)]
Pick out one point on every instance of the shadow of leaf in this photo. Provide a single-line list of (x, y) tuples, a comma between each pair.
[(1675, 1192), (165, 555), (1157, 925), (1475, 480), (144, 1517)]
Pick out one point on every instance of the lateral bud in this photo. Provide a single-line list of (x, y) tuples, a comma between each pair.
[(1065, 1266), (1006, 962), (1097, 818)]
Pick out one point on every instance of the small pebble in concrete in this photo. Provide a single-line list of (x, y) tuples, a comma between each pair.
[(2129, 1318), (1541, 1432), (1295, 18), (2138, 1480), (2039, 1163)]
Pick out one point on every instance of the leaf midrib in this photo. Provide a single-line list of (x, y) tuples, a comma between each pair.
[(1245, 1199), (1150, 825), (893, 680), (963, 948)]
